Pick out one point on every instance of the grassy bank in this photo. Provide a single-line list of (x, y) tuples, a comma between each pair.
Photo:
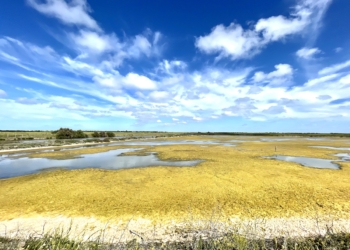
[(61, 240)]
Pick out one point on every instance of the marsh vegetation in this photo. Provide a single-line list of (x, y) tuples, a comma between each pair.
[(236, 181)]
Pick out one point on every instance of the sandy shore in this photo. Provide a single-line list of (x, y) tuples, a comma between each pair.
[(74, 145), (141, 229), (47, 147)]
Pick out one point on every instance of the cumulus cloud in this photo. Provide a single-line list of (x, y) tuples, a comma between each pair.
[(140, 45), (236, 43), (95, 42), (281, 76), (278, 27), (172, 88), (231, 41), (307, 53), (139, 82), (74, 12)]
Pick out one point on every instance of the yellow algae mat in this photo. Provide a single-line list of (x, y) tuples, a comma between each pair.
[(236, 181)]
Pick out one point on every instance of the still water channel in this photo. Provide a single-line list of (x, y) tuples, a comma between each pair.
[(113, 160)]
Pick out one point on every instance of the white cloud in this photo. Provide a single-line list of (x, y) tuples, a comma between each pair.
[(281, 76), (322, 79), (170, 66), (236, 43), (159, 121), (278, 27), (345, 79), (139, 82), (140, 45), (231, 41), (2, 93), (108, 81), (8, 57), (74, 12), (95, 42), (81, 67), (198, 119), (159, 96), (307, 53), (334, 68), (175, 119)]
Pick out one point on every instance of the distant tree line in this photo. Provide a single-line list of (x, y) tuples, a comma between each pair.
[(67, 133), (103, 134), (306, 134)]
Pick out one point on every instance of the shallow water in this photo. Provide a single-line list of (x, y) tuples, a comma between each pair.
[(75, 139), (333, 148), (275, 139), (343, 156), (308, 162), (160, 143), (106, 160)]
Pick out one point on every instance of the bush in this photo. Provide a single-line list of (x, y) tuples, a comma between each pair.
[(110, 134), (102, 134), (67, 133), (95, 134)]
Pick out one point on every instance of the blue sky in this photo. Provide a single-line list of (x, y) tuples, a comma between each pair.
[(265, 66)]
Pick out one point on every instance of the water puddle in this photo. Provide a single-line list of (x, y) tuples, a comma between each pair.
[(317, 139), (343, 156), (313, 162), (274, 139), (333, 148), (106, 160), (161, 143), (146, 143)]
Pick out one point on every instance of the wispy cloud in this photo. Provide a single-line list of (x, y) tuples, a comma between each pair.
[(334, 68), (75, 12), (307, 53)]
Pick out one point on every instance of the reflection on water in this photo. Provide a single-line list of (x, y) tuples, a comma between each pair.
[(310, 162), (160, 143), (139, 143), (106, 160)]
